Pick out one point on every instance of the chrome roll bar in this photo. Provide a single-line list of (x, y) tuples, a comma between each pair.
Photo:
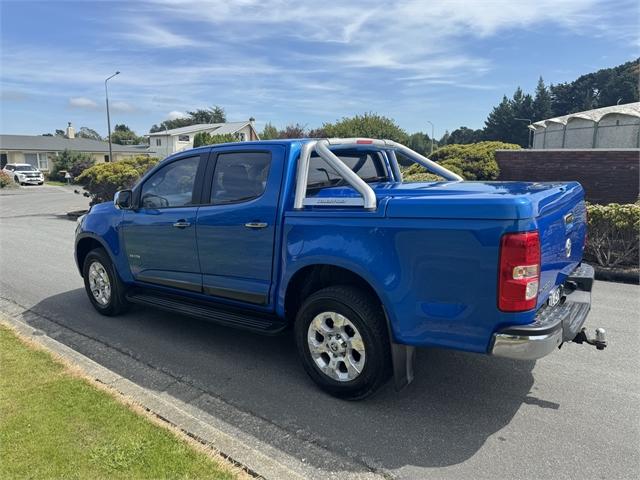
[(368, 200)]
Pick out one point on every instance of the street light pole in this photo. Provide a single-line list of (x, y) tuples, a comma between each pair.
[(528, 128), (432, 139), (106, 94)]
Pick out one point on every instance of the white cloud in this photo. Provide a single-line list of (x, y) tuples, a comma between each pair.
[(119, 106), (174, 114), (152, 35), (82, 102)]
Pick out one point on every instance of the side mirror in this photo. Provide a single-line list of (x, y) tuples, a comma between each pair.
[(123, 199)]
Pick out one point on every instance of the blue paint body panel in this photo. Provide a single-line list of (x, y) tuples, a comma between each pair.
[(430, 250)]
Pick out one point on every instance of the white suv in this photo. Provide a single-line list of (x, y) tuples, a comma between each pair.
[(24, 173)]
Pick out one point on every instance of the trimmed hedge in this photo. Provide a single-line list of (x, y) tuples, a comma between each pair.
[(102, 181), (474, 161), (613, 235)]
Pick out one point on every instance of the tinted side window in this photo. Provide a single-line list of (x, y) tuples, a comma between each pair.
[(240, 176), (171, 186)]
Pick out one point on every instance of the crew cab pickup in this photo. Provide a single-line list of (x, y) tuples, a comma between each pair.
[(324, 236)]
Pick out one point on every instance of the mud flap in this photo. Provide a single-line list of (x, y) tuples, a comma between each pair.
[(402, 358)]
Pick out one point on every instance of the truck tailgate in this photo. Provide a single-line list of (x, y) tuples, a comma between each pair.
[(562, 224)]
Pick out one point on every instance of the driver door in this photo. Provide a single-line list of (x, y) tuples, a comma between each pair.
[(160, 235)]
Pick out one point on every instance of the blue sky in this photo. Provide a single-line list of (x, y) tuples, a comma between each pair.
[(283, 61)]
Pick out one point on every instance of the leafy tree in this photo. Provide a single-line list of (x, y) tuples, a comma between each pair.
[(464, 135), (367, 125), (60, 133), (215, 114), (73, 162), (603, 88), (295, 130), (270, 132), (419, 142), (542, 108), (103, 180), (203, 138), (614, 234), (86, 132), (123, 135)]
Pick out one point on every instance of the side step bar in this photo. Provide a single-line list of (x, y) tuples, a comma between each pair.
[(264, 324)]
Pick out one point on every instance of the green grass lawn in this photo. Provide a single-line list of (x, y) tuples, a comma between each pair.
[(55, 183), (56, 425)]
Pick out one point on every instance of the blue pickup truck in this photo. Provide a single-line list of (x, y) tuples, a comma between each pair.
[(325, 237)]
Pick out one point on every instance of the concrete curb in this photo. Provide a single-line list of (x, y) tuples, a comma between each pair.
[(254, 455)]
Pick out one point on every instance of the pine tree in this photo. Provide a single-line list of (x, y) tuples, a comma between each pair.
[(499, 122), (542, 102)]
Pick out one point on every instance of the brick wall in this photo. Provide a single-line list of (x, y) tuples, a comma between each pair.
[(607, 175)]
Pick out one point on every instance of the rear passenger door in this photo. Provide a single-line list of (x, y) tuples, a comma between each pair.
[(236, 229)]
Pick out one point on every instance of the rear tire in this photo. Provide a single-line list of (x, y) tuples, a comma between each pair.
[(102, 284), (342, 340)]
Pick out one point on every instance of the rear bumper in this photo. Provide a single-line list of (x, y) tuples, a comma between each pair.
[(552, 325)]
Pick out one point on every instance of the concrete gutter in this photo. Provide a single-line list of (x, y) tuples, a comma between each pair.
[(257, 457)]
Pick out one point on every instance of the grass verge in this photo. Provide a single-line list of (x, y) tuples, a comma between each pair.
[(55, 183), (54, 424)]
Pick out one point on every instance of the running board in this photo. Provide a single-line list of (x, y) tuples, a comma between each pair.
[(264, 324)]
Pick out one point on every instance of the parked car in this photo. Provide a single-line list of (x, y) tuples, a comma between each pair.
[(324, 236), (24, 173)]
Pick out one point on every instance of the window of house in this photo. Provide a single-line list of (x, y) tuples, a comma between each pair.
[(240, 176), (183, 138), (171, 186), (158, 142), (241, 136), (106, 158), (37, 160)]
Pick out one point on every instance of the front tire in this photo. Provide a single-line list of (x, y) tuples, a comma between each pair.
[(342, 340), (102, 284)]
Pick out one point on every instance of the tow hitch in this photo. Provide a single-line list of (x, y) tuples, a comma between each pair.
[(599, 341)]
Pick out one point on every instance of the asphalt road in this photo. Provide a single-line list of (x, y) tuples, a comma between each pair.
[(573, 414)]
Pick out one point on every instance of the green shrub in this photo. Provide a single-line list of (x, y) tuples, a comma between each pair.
[(473, 161), (102, 181), (5, 180), (73, 162), (614, 234), (203, 138), (416, 173)]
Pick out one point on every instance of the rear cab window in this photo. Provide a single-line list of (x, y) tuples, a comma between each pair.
[(368, 165)]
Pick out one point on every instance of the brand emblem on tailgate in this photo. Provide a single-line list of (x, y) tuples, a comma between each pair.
[(567, 247)]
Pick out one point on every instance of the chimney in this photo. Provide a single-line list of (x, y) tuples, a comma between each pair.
[(71, 132)]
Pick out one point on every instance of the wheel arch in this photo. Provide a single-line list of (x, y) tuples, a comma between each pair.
[(315, 276), (84, 244)]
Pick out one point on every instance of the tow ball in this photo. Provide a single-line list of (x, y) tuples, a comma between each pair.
[(599, 341)]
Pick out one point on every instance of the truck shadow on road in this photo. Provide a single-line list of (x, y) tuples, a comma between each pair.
[(456, 402)]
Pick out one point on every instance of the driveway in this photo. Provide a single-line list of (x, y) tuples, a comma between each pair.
[(573, 414)]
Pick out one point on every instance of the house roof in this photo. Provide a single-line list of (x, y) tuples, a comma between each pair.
[(219, 129), (631, 109), (57, 144)]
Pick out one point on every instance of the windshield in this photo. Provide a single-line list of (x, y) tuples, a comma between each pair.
[(367, 165), (25, 168)]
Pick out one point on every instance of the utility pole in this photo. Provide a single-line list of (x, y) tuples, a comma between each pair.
[(432, 139), (106, 93)]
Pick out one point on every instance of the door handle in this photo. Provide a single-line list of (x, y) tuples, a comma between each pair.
[(181, 224), (256, 225)]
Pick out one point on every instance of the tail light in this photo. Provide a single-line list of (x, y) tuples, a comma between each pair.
[(519, 271)]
